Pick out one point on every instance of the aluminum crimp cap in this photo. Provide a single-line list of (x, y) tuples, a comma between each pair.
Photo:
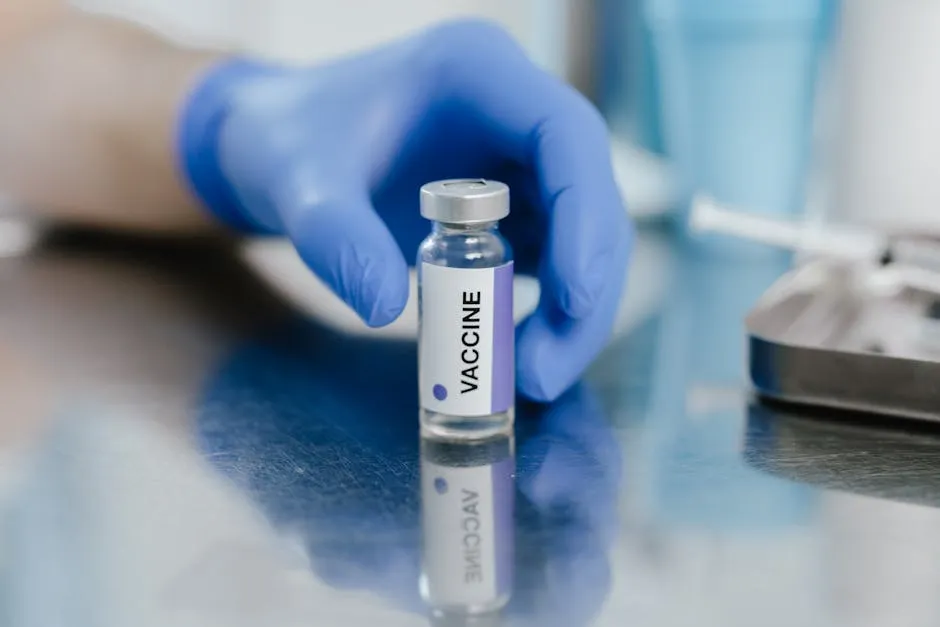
[(465, 201)]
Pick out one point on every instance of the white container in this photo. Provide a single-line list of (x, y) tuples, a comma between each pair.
[(886, 156)]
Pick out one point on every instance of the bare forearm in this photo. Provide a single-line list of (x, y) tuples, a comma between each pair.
[(88, 109)]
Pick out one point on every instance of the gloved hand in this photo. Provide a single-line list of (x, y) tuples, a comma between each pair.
[(333, 157)]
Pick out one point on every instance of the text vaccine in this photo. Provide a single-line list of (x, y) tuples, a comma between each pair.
[(467, 513), (466, 338)]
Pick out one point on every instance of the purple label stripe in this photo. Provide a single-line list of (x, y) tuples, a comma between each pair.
[(504, 340), (504, 496)]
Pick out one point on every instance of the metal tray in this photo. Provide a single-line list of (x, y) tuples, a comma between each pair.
[(848, 336)]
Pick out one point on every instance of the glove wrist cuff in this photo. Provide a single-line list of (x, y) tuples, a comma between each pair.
[(200, 120)]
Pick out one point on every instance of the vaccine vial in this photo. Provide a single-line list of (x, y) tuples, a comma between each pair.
[(467, 511), (466, 337)]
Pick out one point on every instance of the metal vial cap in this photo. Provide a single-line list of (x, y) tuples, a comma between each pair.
[(465, 201)]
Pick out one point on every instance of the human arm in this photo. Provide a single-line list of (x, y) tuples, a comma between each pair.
[(88, 107), (102, 122)]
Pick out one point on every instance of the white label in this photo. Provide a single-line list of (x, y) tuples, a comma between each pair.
[(467, 518), (466, 346)]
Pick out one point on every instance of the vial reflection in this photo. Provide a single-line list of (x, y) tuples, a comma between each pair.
[(467, 503)]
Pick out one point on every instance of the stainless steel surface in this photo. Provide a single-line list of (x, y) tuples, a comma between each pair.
[(864, 455), (848, 336), (180, 447)]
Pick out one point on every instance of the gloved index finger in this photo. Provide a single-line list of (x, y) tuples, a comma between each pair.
[(537, 120)]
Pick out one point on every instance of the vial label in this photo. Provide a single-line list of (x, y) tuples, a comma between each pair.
[(467, 532), (467, 342)]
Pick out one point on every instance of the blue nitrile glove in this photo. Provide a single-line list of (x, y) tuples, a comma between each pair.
[(333, 156)]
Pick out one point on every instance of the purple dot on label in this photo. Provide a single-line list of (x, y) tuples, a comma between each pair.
[(440, 485), (440, 392)]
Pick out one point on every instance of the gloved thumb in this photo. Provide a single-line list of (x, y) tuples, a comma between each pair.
[(347, 245)]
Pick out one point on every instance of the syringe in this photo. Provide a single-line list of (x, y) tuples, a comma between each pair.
[(851, 244), (913, 263), (832, 240)]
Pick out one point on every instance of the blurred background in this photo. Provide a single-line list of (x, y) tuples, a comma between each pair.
[(817, 108), (738, 99), (787, 107), (717, 94)]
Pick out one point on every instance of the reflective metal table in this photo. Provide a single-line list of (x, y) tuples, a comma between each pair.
[(185, 441)]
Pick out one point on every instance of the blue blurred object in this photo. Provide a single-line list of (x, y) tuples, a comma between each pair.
[(628, 91), (333, 157), (738, 82), (765, 14)]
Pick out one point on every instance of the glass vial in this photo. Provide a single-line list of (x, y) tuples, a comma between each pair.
[(466, 337), (467, 511)]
